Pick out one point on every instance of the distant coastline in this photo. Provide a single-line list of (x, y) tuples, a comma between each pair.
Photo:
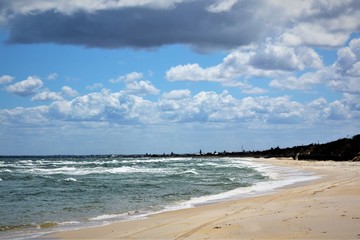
[(345, 149)]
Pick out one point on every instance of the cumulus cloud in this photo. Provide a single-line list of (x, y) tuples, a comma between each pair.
[(47, 96), (26, 87), (128, 77), (304, 82), (278, 57), (342, 76), (268, 60), (326, 23), (68, 91), (20, 116), (181, 106), (104, 106), (177, 94), (315, 34), (142, 87), (6, 79), (135, 85)]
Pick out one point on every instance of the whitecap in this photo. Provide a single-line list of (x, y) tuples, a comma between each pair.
[(25, 161), (121, 170), (108, 217), (70, 180), (62, 170), (191, 171)]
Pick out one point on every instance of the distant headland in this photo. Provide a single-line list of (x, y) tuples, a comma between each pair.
[(345, 149)]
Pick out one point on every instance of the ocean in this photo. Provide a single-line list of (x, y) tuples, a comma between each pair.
[(39, 195)]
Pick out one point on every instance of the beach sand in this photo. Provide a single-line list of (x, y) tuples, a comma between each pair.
[(327, 208)]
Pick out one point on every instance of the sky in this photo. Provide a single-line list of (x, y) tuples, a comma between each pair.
[(161, 76)]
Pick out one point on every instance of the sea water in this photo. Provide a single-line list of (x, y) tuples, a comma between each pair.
[(41, 195)]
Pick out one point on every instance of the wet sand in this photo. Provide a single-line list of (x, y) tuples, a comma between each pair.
[(327, 208)]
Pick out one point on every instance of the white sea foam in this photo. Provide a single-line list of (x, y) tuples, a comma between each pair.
[(43, 171), (191, 171), (279, 177), (25, 161), (108, 217), (70, 180), (78, 171)]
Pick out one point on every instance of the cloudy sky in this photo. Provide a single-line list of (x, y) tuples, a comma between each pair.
[(161, 76)]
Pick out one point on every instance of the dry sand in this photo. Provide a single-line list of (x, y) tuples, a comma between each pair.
[(328, 208)]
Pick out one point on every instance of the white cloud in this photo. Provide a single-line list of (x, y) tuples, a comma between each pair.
[(177, 94), (105, 106), (134, 84), (342, 76), (192, 72), (337, 111), (221, 6), (314, 34), (24, 117), (213, 107), (180, 106), (26, 87), (52, 76), (128, 77), (141, 88), (46, 96), (6, 79), (279, 57), (268, 60), (326, 23), (254, 90), (69, 92), (355, 47), (304, 82), (95, 86)]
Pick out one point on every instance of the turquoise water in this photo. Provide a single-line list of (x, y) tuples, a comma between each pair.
[(41, 195)]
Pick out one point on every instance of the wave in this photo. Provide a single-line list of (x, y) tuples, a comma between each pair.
[(131, 215), (281, 177), (74, 171), (108, 217), (70, 180), (190, 171), (155, 160)]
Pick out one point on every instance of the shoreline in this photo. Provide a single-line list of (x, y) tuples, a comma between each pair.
[(325, 208)]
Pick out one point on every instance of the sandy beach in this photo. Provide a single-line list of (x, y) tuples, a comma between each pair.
[(327, 208)]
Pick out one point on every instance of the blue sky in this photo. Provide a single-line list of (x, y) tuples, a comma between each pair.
[(155, 76)]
